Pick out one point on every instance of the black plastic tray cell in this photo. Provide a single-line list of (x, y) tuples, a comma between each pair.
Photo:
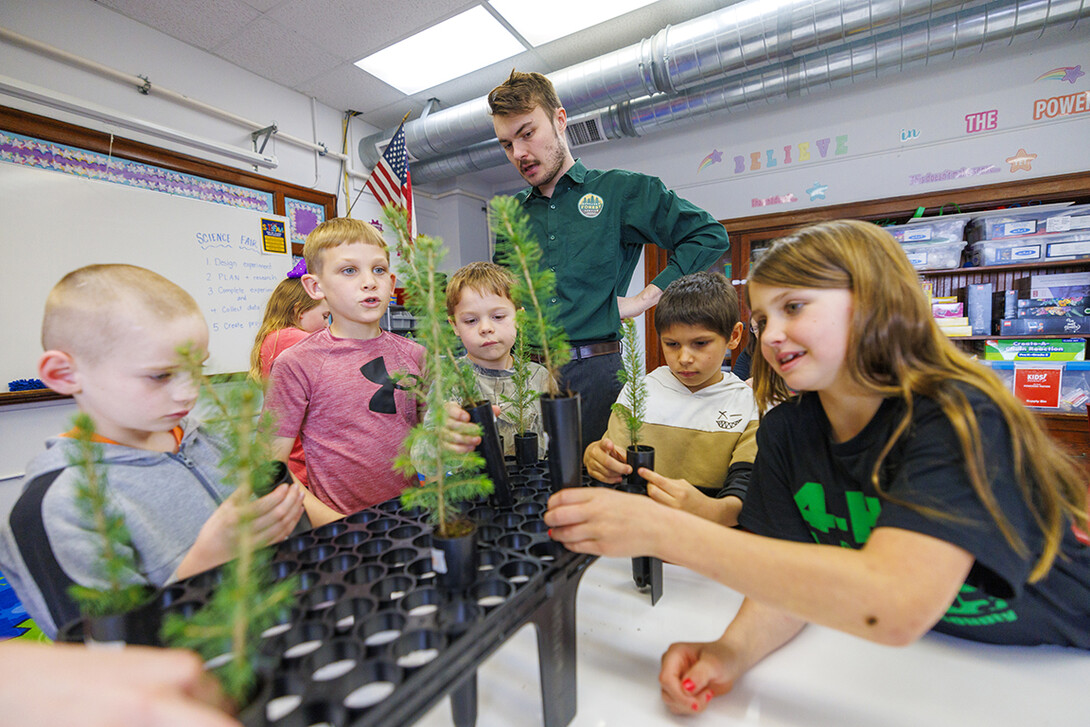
[(489, 560), (406, 532), (422, 603), (421, 569), (362, 517), (304, 637), (348, 612), (366, 574), (414, 649), (396, 559), (392, 588), (373, 548), (342, 562), (322, 597), (332, 530), (367, 685), (333, 659), (381, 628), (351, 539), (296, 543), (491, 593), (518, 572), (316, 553)]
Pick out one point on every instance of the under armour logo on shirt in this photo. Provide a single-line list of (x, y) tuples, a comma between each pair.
[(383, 400)]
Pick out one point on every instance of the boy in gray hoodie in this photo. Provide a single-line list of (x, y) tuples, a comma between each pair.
[(112, 334)]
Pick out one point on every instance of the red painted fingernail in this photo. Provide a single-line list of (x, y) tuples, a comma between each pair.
[(707, 696), (550, 532), (688, 685), (695, 706)]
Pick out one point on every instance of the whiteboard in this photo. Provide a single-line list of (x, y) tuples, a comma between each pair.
[(53, 222)]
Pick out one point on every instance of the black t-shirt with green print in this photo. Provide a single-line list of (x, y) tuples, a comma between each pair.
[(808, 488)]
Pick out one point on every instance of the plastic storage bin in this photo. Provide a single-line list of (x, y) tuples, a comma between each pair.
[(1074, 384), (1060, 246), (934, 229), (1040, 220), (934, 255)]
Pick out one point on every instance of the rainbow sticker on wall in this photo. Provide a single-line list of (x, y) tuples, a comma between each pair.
[(1063, 73), (714, 158)]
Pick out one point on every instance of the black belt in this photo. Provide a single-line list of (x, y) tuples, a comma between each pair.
[(588, 350), (591, 350)]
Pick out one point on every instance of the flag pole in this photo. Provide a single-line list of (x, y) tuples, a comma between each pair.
[(357, 199)]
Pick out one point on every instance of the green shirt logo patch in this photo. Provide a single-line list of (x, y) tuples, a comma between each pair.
[(591, 205)]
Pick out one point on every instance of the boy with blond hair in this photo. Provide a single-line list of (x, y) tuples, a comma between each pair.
[(335, 390), (112, 335), (701, 420), (482, 312)]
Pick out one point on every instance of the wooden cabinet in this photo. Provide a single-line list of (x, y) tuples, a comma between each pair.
[(749, 233)]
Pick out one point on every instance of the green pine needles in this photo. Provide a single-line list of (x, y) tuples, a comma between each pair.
[(116, 563), (523, 395), (451, 478), (534, 286), (631, 377), (246, 601)]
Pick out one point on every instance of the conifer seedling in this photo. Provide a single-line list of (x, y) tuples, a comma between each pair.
[(631, 378), (246, 601), (450, 478), (523, 395), (534, 286), (116, 564)]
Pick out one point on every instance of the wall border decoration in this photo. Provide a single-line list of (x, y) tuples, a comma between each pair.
[(43, 154)]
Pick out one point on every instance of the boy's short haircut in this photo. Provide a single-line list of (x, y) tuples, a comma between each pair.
[(482, 276), (704, 299), (84, 309), (336, 232), (521, 93)]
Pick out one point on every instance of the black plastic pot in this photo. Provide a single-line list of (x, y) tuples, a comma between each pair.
[(139, 626), (563, 425), (490, 448), (526, 449), (454, 560), (282, 476), (638, 455)]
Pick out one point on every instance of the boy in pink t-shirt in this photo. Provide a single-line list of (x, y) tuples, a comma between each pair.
[(334, 390)]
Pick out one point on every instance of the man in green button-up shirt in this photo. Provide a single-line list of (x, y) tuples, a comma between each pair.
[(592, 226)]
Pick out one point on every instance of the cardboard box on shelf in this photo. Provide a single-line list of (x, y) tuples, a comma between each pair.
[(1044, 324), (1035, 349), (1057, 285)]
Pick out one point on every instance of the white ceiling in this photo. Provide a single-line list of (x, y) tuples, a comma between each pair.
[(310, 45)]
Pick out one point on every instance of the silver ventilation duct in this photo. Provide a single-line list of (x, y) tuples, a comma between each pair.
[(746, 35), (963, 33)]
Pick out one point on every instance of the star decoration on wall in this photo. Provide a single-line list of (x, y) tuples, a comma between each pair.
[(817, 191), (1073, 74), (1023, 160)]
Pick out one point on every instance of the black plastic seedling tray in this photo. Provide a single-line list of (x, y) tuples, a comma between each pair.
[(373, 641)]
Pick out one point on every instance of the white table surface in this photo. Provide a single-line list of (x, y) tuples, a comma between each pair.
[(823, 677)]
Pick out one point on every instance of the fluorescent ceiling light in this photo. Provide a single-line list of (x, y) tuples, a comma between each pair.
[(87, 109), (560, 17), (469, 41)]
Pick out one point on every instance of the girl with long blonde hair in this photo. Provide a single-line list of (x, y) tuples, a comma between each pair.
[(899, 487)]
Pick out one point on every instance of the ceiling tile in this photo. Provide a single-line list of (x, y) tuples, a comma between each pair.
[(203, 23), (347, 87), (352, 29), (277, 53)]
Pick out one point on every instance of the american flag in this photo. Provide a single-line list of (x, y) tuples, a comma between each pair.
[(390, 182)]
